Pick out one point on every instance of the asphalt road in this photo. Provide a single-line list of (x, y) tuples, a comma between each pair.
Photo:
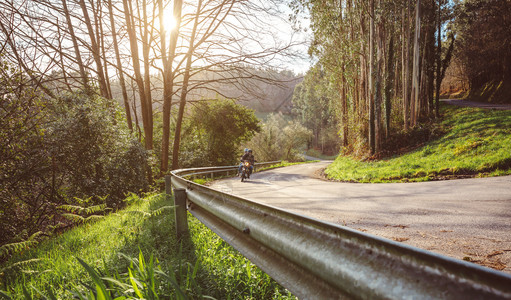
[(466, 219)]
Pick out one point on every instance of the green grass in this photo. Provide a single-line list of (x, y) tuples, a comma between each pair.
[(236, 276), (115, 247), (98, 244), (477, 143)]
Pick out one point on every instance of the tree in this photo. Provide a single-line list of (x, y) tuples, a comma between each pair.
[(21, 121), (357, 43), (233, 39), (315, 110), (484, 43), (280, 140), (214, 132), (56, 150), (168, 76)]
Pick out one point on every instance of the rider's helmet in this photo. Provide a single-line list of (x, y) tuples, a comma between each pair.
[(246, 150), (249, 150)]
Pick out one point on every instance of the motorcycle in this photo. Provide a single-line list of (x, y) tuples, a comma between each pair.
[(245, 170)]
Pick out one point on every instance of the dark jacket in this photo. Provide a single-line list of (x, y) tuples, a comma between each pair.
[(249, 157)]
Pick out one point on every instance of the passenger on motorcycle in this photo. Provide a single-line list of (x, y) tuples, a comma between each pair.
[(247, 156)]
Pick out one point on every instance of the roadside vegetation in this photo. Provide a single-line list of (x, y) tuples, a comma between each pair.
[(319, 154), (475, 143), (133, 253)]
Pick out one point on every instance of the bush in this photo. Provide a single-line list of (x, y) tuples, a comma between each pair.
[(65, 149), (214, 132), (280, 139)]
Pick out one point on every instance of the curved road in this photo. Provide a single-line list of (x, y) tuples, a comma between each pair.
[(466, 219)]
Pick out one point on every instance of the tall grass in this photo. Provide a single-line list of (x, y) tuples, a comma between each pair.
[(236, 277), (133, 254), (98, 244), (477, 143)]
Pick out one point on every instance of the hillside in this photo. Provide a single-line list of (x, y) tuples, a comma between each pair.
[(475, 143)]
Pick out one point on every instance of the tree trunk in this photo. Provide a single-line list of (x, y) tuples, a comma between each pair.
[(120, 68), (146, 48), (168, 79), (184, 91), (148, 130), (98, 18), (389, 82), (380, 38), (406, 65), (416, 72), (132, 35), (438, 59), (96, 52), (344, 118), (81, 67), (370, 81)]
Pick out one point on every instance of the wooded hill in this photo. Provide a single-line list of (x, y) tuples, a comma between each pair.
[(381, 64), (270, 91)]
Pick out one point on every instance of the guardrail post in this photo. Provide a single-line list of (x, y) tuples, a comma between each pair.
[(168, 185), (180, 213)]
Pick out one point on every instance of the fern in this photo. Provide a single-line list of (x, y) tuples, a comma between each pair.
[(19, 246), (137, 212), (95, 208), (79, 219), (20, 264), (72, 208), (152, 213), (160, 210), (93, 218), (80, 214), (74, 217)]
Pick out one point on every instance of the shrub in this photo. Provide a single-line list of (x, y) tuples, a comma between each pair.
[(62, 149), (280, 139), (214, 133)]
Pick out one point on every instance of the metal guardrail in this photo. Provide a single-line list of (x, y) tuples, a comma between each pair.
[(320, 260)]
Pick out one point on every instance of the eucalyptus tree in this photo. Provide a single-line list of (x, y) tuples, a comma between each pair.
[(314, 110), (484, 43), (358, 43)]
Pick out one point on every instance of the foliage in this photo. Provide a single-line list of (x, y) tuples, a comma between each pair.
[(96, 243), (370, 56), (477, 143), (236, 277), (113, 254), (280, 140), (59, 150), (314, 105), (214, 133), (98, 153), (484, 47), (21, 133)]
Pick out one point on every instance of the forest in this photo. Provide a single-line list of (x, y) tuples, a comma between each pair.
[(99, 99), (381, 64)]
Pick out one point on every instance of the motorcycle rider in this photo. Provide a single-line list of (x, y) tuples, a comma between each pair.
[(247, 156), (241, 163)]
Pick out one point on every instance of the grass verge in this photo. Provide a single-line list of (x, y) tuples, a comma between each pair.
[(133, 254), (477, 143)]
